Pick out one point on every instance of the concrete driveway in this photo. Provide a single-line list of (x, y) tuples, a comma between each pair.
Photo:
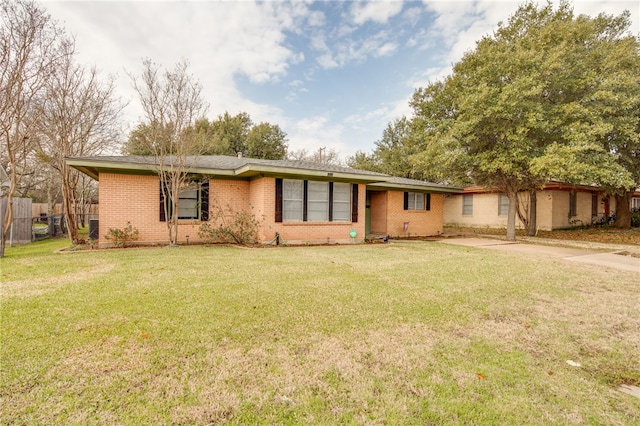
[(613, 258)]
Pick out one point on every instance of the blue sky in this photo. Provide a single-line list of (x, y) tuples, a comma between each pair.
[(330, 74)]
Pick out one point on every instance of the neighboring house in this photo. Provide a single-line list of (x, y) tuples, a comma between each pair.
[(301, 202), (558, 206)]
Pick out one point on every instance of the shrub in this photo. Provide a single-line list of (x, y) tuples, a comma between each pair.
[(232, 226), (635, 218), (122, 237)]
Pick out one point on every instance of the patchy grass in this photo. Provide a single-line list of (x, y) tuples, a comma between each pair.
[(410, 332), (605, 235)]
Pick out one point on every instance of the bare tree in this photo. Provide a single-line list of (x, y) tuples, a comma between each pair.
[(30, 48), (172, 102), (321, 156), (78, 116)]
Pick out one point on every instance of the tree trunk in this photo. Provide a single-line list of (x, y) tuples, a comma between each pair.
[(70, 203), (8, 216), (50, 204), (511, 218), (533, 206), (623, 212), (173, 233)]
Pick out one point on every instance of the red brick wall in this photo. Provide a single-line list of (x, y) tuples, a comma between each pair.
[(421, 222), (136, 199), (263, 192)]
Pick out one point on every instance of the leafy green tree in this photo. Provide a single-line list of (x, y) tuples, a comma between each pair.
[(139, 142), (226, 135), (392, 152), (266, 141), (232, 132), (210, 139), (537, 100), (363, 161), (394, 149)]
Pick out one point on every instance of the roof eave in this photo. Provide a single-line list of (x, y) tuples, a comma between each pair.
[(416, 188), (251, 170)]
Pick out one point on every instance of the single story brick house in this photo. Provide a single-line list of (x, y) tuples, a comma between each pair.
[(301, 202), (559, 206)]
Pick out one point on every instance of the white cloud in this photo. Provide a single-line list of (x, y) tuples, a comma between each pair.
[(351, 50), (315, 132), (386, 49), (316, 19), (376, 11), (220, 40)]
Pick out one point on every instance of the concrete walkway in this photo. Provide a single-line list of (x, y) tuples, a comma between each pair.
[(626, 258)]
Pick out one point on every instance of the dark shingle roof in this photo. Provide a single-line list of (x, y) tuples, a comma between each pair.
[(243, 167)]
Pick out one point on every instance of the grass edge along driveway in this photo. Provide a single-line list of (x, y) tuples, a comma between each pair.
[(408, 332)]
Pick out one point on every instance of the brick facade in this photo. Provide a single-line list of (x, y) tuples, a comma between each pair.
[(388, 215), (135, 199)]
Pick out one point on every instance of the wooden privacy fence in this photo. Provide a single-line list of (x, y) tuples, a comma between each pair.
[(21, 229)]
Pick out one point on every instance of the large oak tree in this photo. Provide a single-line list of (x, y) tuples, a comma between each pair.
[(548, 96)]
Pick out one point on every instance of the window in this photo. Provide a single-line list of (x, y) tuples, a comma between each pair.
[(467, 205), (572, 203), (415, 201), (341, 202), (315, 201), (188, 202), (292, 200), (193, 202), (635, 203), (503, 205)]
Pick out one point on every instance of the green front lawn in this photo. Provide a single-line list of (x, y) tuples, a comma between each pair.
[(403, 333)]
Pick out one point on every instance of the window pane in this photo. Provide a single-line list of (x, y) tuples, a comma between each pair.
[(341, 202), (317, 201), (188, 204), (415, 201), (467, 205), (187, 209), (292, 200), (503, 205)]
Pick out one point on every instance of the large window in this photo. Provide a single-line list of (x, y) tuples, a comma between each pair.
[(193, 202), (503, 205), (341, 202), (315, 201), (292, 199), (467, 205)]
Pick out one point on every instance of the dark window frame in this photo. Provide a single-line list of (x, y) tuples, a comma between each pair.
[(202, 192), (426, 201), (279, 201)]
